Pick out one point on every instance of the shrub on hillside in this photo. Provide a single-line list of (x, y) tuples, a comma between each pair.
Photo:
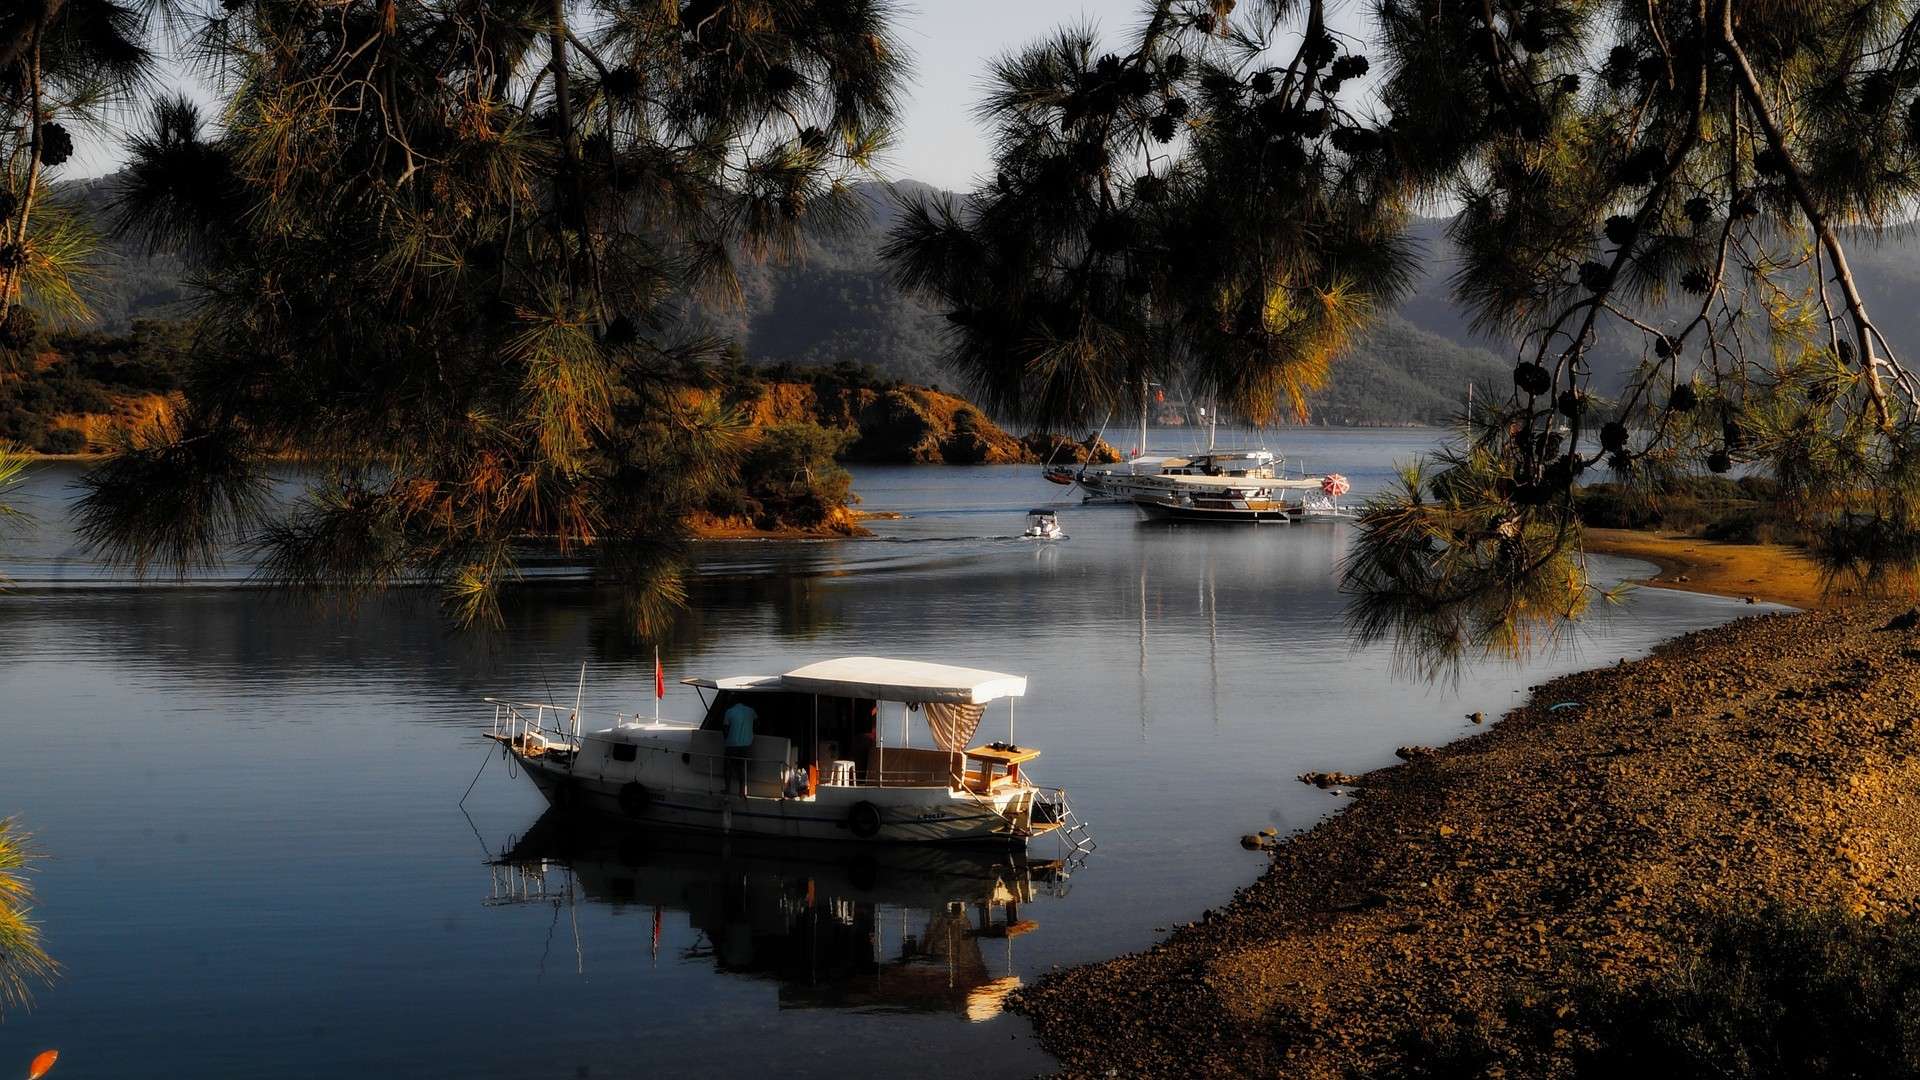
[(1756, 526), (1608, 506), (790, 476), (63, 441), (1718, 507)]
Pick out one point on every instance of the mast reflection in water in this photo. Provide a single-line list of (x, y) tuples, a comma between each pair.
[(909, 928)]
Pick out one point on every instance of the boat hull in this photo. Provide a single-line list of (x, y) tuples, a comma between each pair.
[(907, 815), (1111, 486), (1213, 515)]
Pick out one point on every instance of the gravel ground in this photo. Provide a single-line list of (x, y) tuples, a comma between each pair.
[(1769, 760)]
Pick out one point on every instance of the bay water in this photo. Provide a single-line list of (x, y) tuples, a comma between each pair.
[(259, 861)]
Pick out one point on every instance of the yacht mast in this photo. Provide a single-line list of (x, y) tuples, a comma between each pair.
[(1146, 391)]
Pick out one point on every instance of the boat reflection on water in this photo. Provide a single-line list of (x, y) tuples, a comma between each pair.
[(908, 928)]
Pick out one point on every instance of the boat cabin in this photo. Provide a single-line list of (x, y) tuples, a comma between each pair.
[(1258, 464), (866, 720)]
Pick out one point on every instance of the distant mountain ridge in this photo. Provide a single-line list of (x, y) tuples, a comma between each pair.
[(837, 304)]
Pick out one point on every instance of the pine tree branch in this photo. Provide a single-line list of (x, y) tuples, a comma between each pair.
[(22, 33), (10, 283), (1865, 333)]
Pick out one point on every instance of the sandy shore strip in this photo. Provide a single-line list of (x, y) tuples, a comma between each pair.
[(1777, 573), (1776, 759)]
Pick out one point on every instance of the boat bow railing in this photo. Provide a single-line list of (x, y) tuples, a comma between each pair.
[(525, 724)]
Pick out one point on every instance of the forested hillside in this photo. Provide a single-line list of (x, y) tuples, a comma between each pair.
[(1399, 373), (838, 305)]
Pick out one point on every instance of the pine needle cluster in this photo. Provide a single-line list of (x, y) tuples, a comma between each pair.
[(1203, 201), (65, 67), (445, 250), (1686, 179), (23, 959)]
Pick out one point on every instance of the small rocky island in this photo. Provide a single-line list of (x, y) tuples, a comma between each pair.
[(905, 424)]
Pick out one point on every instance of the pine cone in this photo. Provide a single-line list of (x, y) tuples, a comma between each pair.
[(1533, 379), (56, 146)]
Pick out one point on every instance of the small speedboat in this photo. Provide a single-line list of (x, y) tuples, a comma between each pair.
[(1043, 525), (1059, 474)]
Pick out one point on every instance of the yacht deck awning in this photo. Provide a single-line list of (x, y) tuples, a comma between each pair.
[(903, 680), (737, 682), (1269, 483)]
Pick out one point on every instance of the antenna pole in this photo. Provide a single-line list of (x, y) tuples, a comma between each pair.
[(579, 696)]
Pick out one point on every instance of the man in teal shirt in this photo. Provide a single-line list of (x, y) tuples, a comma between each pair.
[(739, 721)]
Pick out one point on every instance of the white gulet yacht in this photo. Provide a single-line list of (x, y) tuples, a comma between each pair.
[(832, 758), (1222, 485)]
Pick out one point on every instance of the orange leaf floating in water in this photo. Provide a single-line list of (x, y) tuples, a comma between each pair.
[(42, 1064)]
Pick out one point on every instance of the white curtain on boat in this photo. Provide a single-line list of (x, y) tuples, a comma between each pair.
[(953, 725)]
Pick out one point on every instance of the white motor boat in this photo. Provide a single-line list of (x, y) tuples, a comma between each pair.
[(833, 757), (1043, 525), (1223, 486)]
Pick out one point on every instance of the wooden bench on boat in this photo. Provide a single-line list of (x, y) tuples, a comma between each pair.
[(904, 766), (979, 769)]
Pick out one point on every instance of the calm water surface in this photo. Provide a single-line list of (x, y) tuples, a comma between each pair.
[(259, 865)]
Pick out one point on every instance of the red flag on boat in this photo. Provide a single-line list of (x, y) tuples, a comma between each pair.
[(659, 676)]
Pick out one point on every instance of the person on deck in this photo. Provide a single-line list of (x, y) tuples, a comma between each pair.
[(740, 719)]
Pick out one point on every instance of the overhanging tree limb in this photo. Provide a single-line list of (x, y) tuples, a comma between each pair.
[(18, 33), (1864, 330)]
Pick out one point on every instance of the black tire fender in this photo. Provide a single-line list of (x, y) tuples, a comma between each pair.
[(634, 799), (863, 819)]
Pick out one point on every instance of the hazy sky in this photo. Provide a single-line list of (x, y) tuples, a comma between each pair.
[(951, 41)]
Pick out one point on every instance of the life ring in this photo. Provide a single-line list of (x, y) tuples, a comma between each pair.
[(634, 799), (864, 820)]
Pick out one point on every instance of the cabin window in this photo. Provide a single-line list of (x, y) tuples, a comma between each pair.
[(623, 751), (821, 727)]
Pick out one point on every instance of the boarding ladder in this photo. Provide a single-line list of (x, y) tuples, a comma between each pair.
[(1051, 806)]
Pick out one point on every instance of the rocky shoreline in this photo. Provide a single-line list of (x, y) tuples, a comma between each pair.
[(1773, 760)]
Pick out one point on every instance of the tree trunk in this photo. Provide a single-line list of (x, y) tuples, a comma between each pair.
[(17, 228), (571, 191), (19, 34)]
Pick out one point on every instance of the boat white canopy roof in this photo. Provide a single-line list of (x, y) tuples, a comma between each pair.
[(882, 679), (903, 680), (1199, 480), (736, 682)]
